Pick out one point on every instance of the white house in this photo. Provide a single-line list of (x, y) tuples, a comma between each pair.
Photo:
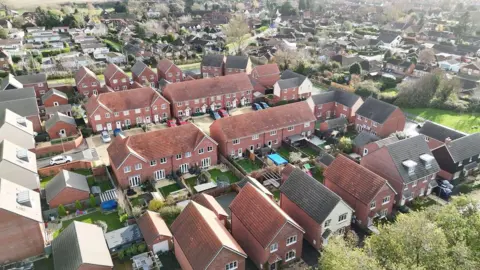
[(18, 165), (115, 58), (16, 129)]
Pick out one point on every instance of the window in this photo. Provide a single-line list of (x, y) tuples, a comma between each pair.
[(414, 183), (84, 85), (342, 217), (273, 247), (231, 266), (138, 166), (107, 115), (290, 128), (275, 141), (374, 123), (179, 156), (153, 162), (124, 80), (210, 148), (169, 74), (359, 118), (200, 151), (306, 125), (147, 109), (227, 95), (56, 104), (273, 133), (427, 138), (249, 92), (155, 107), (94, 83), (116, 114), (188, 154), (373, 204), (219, 97), (255, 137), (197, 101), (163, 160), (291, 240), (212, 98), (290, 255), (42, 92), (383, 212), (365, 151), (319, 106), (127, 169), (40, 85), (97, 117), (138, 110), (115, 81), (336, 104), (126, 113), (164, 106), (386, 200), (179, 104), (327, 223), (236, 141)]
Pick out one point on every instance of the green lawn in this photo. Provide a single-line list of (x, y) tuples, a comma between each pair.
[(284, 152), (309, 151), (215, 173), (390, 93), (466, 122), (44, 181), (114, 45), (276, 194), (166, 190), (191, 182), (104, 185), (85, 172), (112, 220), (248, 165)]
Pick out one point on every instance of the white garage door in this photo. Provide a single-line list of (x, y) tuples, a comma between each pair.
[(160, 247)]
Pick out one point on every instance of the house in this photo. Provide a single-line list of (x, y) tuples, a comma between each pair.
[(210, 203), (379, 118), (237, 134), (347, 61), (472, 69), (61, 126), (66, 188), (292, 86), (123, 238), (436, 135), (422, 70), (18, 165), (144, 75), (366, 142), (389, 40), (237, 64), (81, 246), (202, 242), (87, 82), (5, 60), (313, 206), (400, 66), (339, 124), (94, 48), (20, 216), (112, 110), (12, 46), (458, 157), (155, 232), (16, 129), (114, 58), (24, 103), (370, 195), (139, 158), (267, 234), (54, 98), (65, 109), (37, 81), (336, 103), (408, 165), (267, 75), (212, 65), (450, 65), (10, 83), (116, 78), (210, 94), (168, 71)]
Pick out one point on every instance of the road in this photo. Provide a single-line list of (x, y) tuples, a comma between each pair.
[(87, 155)]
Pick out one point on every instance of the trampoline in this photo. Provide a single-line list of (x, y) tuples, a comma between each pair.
[(277, 159)]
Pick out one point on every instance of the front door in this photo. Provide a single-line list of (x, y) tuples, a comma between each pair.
[(147, 119), (127, 122), (328, 114), (269, 143), (134, 180), (273, 266), (109, 126), (206, 162), (160, 174), (187, 112), (184, 168), (156, 118), (119, 125), (239, 152), (99, 127)]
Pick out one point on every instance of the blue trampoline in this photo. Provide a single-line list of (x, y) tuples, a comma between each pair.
[(109, 205), (277, 159)]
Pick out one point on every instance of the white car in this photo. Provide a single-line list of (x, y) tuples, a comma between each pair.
[(105, 137), (60, 160)]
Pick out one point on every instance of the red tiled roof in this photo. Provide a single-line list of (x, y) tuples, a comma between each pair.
[(262, 217), (157, 144), (189, 90), (126, 100), (82, 72), (111, 70), (200, 235), (164, 65), (355, 179), (274, 118), (210, 203), (267, 75), (152, 226)]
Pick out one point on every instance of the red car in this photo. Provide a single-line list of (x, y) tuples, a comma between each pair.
[(171, 123), (223, 113)]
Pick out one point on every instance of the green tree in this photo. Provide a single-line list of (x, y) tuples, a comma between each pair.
[(302, 5), (92, 201), (155, 205), (286, 9), (78, 205), (340, 255), (120, 7), (345, 144), (356, 68), (74, 21), (347, 26), (140, 31), (61, 210), (3, 33), (169, 213)]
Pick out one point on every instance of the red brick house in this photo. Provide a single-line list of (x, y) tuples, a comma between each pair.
[(156, 154), (212, 65), (37, 81), (266, 233), (313, 206), (5, 60), (237, 134), (336, 103), (370, 195), (54, 98), (210, 94), (116, 78), (379, 118), (112, 110), (66, 188), (168, 71), (267, 75), (436, 135), (408, 165), (210, 203), (61, 126), (20, 216), (366, 142), (292, 86), (144, 75), (237, 64), (400, 66), (155, 232), (87, 82), (202, 242)]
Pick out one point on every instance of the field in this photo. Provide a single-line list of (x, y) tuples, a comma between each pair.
[(466, 122)]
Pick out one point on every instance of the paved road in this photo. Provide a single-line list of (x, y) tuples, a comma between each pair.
[(89, 155)]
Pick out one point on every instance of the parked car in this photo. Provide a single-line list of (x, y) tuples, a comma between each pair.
[(445, 183), (256, 107), (106, 137), (215, 115), (181, 121), (171, 123), (60, 160), (264, 105), (223, 113), (443, 192)]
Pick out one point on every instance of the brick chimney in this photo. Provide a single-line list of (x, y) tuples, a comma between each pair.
[(448, 140)]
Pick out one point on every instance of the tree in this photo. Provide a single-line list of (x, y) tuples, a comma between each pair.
[(286, 9), (237, 32), (340, 255), (287, 59), (140, 31), (92, 201), (189, 5), (240, 6), (356, 68), (61, 210), (136, 211), (74, 21), (345, 144), (169, 213), (302, 5), (177, 6), (120, 7), (155, 205), (294, 157), (3, 33), (78, 205), (347, 26), (163, 9), (426, 56), (18, 22)]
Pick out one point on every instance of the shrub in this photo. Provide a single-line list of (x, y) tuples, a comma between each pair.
[(141, 247), (155, 205), (136, 211), (121, 254), (61, 210), (345, 144), (78, 205), (91, 181), (16, 58), (123, 218), (86, 132), (169, 213)]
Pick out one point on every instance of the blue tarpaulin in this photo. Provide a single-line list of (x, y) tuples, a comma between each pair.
[(109, 205), (277, 159)]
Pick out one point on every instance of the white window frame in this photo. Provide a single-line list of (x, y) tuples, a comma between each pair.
[(188, 154), (415, 183), (107, 115), (235, 141), (179, 156), (291, 240), (163, 160), (116, 114), (98, 117), (289, 257), (290, 128), (153, 162), (373, 204), (342, 217), (126, 113), (164, 106), (306, 124), (231, 265), (127, 169), (201, 151), (255, 137), (138, 166), (273, 133), (327, 223), (209, 148), (386, 200), (273, 247), (137, 111)]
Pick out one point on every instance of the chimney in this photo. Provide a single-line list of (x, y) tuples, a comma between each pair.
[(448, 140)]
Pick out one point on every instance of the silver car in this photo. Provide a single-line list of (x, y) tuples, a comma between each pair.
[(60, 160), (105, 137)]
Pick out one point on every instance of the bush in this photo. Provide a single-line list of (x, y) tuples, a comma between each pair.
[(16, 59), (78, 205), (345, 145), (123, 218), (61, 210), (136, 211), (86, 132), (92, 201), (141, 247), (169, 213), (155, 205), (91, 181)]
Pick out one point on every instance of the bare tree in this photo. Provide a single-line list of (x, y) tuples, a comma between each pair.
[(163, 9), (237, 32), (426, 56), (287, 59)]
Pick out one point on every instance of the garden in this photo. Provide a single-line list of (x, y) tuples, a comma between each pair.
[(111, 219), (166, 190), (213, 175), (466, 122), (44, 180), (249, 165)]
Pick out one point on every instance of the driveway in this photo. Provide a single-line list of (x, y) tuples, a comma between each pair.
[(88, 155)]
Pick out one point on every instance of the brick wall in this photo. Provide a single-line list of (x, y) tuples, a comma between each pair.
[(53, 170), (58, 148)]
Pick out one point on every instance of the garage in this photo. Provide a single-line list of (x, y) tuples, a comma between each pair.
[(160, 247), (155, 232)]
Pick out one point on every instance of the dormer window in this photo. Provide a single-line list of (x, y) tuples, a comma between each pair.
[(22, 154), (427, 160), (23, 198), (410, 165), (22, 121)]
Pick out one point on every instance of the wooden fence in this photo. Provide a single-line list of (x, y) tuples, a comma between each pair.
[(237, 170)]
